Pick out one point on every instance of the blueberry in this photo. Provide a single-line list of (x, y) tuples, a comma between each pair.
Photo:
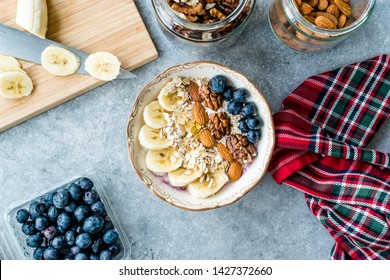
[(94, 257), (36, 209), (50, 232), (34, 240), (218, 84), (240, 94), (107, 225), (90, 197), (47, 200), (234, 107), (81, 213), (97, 245), (110, 236), (75, 191), (254, 136), (86, 184), (248, 110), (93, 224), (53, 213), (84, 240), (243, 126), (254, 122), (22, 216), (51, 254), (61, 229), (68, 257), (59, 242), (41, 222), (98, 208), (115, 249), (64, 220), (70, 237), (61, 199), (106, 255), (38, 253), (71, 207), (227, 95), (28, 228), (74, 250), (81, 257)]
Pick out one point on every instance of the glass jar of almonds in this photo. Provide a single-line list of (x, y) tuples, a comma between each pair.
[(317, 25)]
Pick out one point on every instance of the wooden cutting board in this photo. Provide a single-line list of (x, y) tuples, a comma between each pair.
[(90, 25)]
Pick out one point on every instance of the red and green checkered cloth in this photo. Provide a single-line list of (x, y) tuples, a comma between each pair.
[(322, 133)]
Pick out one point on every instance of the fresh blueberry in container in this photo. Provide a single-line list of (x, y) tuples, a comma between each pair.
[(71, 207), (115, 249), (61, 199), (106, 255), (248, 110), (59, 242), (97, 245), (243, 126), (93, 224), (50, 232), (74, 250), (34, 240), (22, 216), (84, 240), (234, 107), (94, 257), (70, 237), (69, 257), (227, 95), (53, 213), (86, 184), (75, 191), (41, 222), (64, 220), (90, 197), (61, 229), (110, 236), (254, 122), (36, 209), (47, 200), (81, 213), (51, 253), (28, 228), (218, 84), (81, 257), (98, 208), (239, 95), (38, 253), (254, 136)]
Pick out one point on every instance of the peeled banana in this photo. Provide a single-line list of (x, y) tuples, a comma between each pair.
[(59, 61), (205, 189), (182, 177), (7, 67), (32, 16), (168, 100), (103, 66), (152, 139), (154, 115), (9, 60), (162, 161), (15, 85)]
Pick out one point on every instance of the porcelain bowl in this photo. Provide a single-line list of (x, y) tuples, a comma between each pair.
[(232, 191)]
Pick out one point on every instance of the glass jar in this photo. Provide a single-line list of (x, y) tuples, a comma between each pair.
[(296, 32), (202, 37)]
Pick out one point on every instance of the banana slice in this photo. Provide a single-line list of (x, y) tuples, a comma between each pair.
[(162, 161), (15, 85), (182, 177), (168, 100), (154, 115), (152, 139), (8, 67), (32, 16), (9, 60), (103, 66), (205, 189), (59, 61)]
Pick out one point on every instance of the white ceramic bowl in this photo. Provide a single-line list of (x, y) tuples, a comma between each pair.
[(231, 192)]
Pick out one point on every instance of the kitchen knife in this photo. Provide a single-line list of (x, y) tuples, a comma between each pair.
[(19, 44)]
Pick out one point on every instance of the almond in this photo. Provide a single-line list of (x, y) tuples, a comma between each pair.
[(207, 138), (200, 114), (325, 22), (193, 90), (312, 3), (310, 18), (322, 5), (333, 10), (299, 2), (344, 7), (329, 16), (235, 171), (225, 153), (305, 8), (342, 21)]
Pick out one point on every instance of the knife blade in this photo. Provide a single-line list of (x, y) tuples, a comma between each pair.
[(22, 45)]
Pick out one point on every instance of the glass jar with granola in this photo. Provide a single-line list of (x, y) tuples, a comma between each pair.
[(203, 25)]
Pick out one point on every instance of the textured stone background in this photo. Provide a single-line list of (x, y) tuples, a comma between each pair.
[(87, 136)]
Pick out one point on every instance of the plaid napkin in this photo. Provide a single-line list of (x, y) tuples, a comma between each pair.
[(321, 138)]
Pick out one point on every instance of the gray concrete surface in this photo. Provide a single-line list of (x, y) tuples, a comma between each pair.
[(87, 136)]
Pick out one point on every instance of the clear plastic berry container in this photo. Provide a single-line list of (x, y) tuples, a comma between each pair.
[(13, 240)]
